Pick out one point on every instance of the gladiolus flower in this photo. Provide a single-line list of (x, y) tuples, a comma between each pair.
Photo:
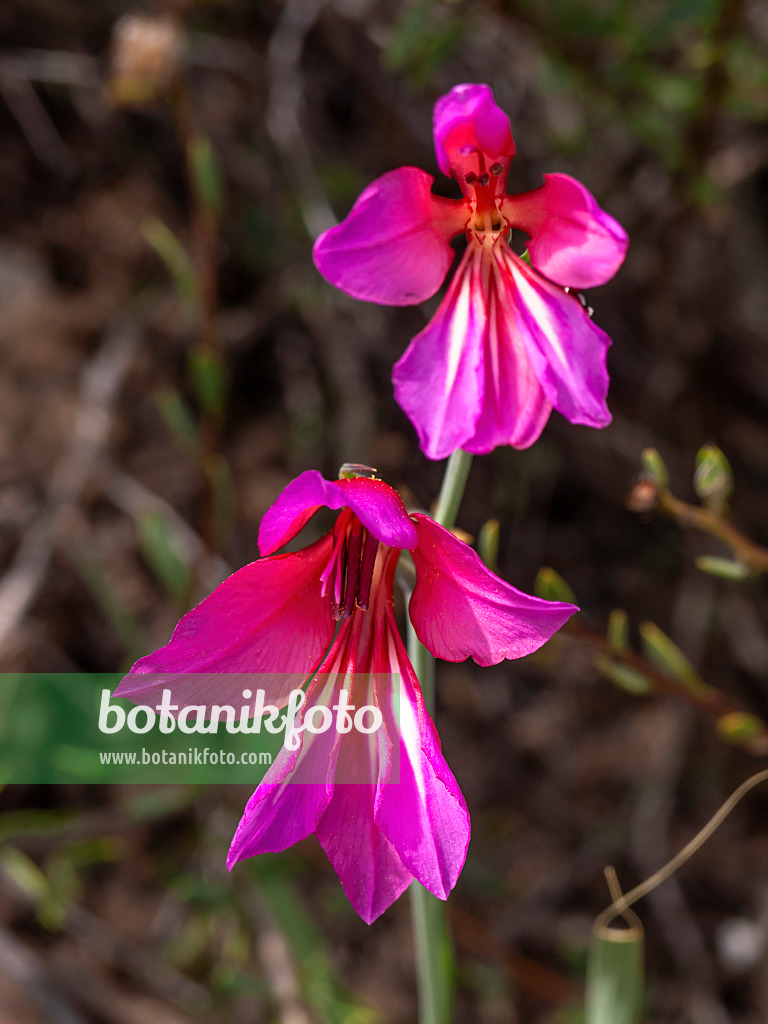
[(326, 613), (511, 338)]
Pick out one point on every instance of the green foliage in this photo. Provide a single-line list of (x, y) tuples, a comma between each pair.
[(176, 258), (320, 986), (159, 547), (178, 418), (208, 377), (618, 630), (726, 568), (552, 587), (624, 676), (740, 727), (205, 172), (425, 35), (667, 656)]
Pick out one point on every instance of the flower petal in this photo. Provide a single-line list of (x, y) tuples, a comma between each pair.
[(460, 608), (377, 505), (369, 868), (439, 380), (393, 245), (466, 120), (567, 350), (268, 619), (573, 241), (515, 409), (295, 792), (423, 814)]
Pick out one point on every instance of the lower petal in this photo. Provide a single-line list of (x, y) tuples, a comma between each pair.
[(423, 813), (515, 409), (439, 380), (566, 349)]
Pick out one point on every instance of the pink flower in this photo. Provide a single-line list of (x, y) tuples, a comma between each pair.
[(509, 340), (407, 819)]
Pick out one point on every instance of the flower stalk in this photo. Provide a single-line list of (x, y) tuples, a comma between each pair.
[(435, 966)]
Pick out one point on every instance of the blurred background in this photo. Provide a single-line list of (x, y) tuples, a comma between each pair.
[(171, 359)]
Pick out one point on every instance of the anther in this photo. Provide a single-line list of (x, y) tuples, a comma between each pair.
[(484, 179), (496, 168), (367, 563), (471, 178), (351, 583)]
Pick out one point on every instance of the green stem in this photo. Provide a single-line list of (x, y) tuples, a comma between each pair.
[(432, 943)]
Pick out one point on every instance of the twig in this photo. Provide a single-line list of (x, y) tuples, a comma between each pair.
[(710, 700), (710, 522), (101, 382)]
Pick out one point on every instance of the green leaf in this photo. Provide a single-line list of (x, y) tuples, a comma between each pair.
[(624, 676), (159, 549), (176, 258), (727, 568), (205, 171), (713, 479), (615, 977), (208, 376), (667, 656), (618, 630), (655, 467), (178, 418), (552, 587), (488, 543)]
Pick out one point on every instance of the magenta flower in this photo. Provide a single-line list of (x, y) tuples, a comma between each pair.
[(510, 340), (407, 819)]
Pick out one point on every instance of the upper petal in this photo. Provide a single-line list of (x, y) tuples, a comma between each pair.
[(467, 119), (459, 608), (268, 618), (377, 505), (393, 245), (567, 350), (573, 241), (439, 379)]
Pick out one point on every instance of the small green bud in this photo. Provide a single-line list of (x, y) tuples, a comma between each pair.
[(655, 467), (740, 726), (488, 543), (713, 479), (618, 630)]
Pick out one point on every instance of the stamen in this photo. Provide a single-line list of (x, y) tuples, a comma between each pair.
[(484, 179), (471, 178), (354, 548), (497, 168), (367, 563)]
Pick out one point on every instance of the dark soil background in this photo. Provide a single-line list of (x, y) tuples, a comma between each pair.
[(127, 488)]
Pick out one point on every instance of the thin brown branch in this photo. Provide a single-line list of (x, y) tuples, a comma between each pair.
[(711, 701), (710, 522)]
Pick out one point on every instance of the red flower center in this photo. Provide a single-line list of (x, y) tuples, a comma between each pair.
[(350, 568)]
